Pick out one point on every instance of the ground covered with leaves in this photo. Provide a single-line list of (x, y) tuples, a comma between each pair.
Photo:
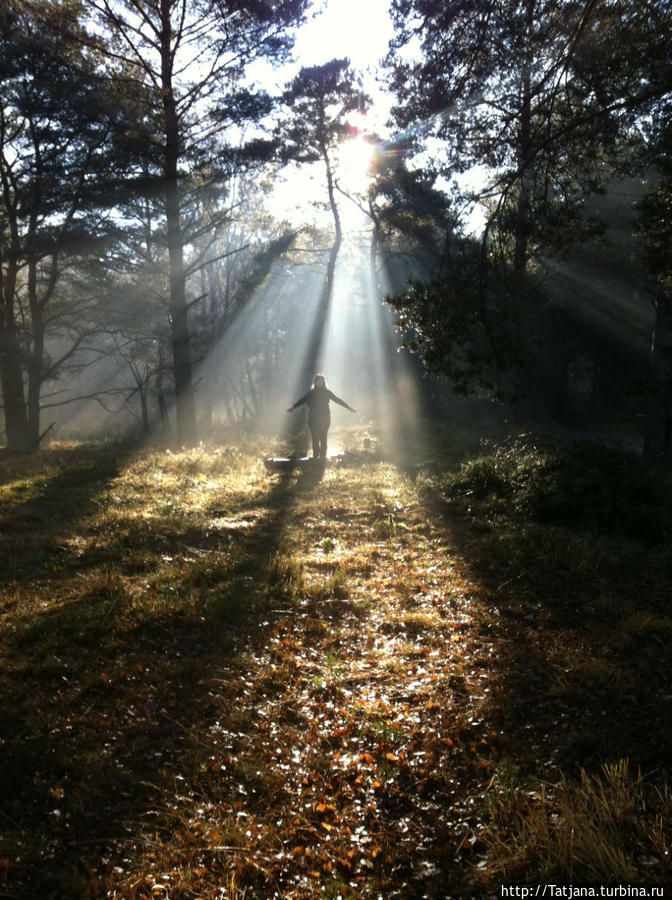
[(373, 680)]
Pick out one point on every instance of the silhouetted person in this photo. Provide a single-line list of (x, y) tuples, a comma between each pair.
[(319, 419)]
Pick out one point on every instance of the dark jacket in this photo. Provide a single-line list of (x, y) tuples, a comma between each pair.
[(317, 400)]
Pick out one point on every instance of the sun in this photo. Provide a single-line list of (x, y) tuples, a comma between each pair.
[(355, 156)]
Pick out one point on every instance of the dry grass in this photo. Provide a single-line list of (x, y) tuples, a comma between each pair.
[(222, 683), (609, 828)]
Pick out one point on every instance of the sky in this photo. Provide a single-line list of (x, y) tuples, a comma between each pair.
[(357, 29), (360, 30)]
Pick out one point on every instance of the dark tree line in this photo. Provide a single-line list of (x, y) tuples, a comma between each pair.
[(118, 136), (63, 137)]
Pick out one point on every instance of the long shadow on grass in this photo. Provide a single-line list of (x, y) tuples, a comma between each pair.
[(579, 624), (51, 492), (576, 657), (104, 698)]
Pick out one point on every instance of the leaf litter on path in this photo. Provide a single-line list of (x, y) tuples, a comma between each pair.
[(253, 686), (364, 735)]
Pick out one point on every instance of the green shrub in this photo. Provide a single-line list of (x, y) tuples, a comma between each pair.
[(583, 485)]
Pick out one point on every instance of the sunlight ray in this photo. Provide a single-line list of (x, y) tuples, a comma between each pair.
[(360, 350)]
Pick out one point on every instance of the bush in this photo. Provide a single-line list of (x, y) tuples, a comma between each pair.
[(587, 486)]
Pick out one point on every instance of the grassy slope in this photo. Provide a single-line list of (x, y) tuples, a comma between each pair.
[(220, 683)]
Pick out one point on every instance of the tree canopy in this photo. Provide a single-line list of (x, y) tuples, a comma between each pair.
[(550, 104), (64, 145)]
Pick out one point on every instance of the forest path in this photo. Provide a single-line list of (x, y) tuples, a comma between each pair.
[(221, 683), (225, 683), (359, 741)]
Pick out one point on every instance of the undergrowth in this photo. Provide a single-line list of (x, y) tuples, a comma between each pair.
[(589, 486), (609, 828)]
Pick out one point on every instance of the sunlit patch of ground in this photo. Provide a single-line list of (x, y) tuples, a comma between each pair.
[(225, 683), (349, 696)]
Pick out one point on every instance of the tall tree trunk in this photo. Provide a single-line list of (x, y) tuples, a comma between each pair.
[(182, 371), (13, 398), (658, 434), (209, 287), (338, 231), (517, 312), (11, 374), (525, 175), (36, 361), (161, 401), (144, 407), (316, 341)]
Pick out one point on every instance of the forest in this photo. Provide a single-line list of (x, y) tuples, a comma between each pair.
[(435, 663)]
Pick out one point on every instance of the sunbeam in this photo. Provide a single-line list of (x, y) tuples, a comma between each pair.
[(360, 348)]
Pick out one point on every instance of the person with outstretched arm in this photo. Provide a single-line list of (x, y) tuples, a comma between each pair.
[(319, 418)]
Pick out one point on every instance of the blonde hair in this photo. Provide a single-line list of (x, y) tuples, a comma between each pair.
[(317, 377)]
